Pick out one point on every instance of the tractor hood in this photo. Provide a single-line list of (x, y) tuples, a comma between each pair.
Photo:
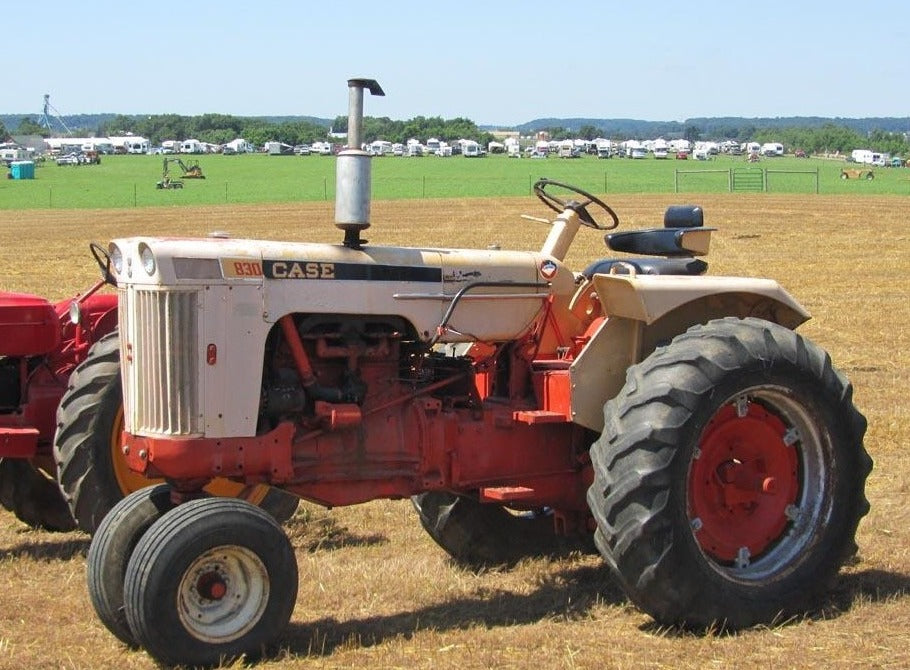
[(500, 292)]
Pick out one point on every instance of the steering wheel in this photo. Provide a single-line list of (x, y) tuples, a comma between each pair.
[(103, 259), (558, 204)]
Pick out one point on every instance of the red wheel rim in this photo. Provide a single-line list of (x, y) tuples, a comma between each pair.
[(742, 482)]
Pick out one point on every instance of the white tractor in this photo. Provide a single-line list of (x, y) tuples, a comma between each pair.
[(671, 418)]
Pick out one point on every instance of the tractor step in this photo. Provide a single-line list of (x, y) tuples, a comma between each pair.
[(535, 416), (18, 442), (504, 494)]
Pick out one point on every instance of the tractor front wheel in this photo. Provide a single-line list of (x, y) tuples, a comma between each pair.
[(476, 534), (111, 548), (729, 479), (212, 580)]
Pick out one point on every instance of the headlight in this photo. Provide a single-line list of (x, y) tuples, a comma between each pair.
[(147, 258), (116, 258), (75, 312)]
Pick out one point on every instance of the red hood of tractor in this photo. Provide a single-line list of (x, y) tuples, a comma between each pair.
[(29, 325)]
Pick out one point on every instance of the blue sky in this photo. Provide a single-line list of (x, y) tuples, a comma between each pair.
[(493, 62)]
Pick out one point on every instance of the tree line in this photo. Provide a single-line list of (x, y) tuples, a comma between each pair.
[(827, 137), (222, 128)]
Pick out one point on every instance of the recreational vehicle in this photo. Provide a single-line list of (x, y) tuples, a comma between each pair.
[(191, 147), (380, 148), (470, 149), (864, 156)]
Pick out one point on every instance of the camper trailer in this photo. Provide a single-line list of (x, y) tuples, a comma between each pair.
[(191, 147), (130, 144), (471, 149)]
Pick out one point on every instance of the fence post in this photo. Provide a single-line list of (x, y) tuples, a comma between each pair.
[(134, 195), (730, 180), (676, 181)]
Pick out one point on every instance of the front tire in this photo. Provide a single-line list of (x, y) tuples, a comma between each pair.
[(729, 479), (211, 580), (111, 549)]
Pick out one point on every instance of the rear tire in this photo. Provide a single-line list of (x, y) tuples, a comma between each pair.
[(89, 421), (476, 534), (729, 479), (211, 580), (27, 492)]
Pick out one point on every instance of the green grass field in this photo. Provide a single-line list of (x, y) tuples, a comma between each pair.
[(129, 181)]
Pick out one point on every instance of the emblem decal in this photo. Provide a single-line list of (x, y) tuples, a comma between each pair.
[(548, 270)]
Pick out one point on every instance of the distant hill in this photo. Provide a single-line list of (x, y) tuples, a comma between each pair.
[(717, 127)]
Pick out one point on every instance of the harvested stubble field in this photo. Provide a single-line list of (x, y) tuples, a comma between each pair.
[(374, 589)]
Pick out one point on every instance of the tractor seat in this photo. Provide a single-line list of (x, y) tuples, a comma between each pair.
[(682, 237)]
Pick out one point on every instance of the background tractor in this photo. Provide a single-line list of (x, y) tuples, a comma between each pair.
[(857, 173), (43, 349), (672, 419), (189, 171)]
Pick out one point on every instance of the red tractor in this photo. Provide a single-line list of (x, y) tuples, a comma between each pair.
[(42, 350), (40, 346), (673, 419)]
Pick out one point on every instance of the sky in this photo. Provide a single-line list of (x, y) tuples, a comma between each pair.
[(496, 63)]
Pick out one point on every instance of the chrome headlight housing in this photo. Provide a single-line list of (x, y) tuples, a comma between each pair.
[(116, 258), (147, 258)]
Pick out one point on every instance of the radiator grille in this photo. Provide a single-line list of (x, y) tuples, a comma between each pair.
[(162, 383)]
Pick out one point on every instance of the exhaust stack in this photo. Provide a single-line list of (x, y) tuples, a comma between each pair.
[(352, 169)]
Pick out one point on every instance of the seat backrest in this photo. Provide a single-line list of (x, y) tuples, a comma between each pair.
[(683, 234), (684, 216)]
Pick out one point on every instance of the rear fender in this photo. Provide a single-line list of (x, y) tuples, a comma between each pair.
[(647, 311)]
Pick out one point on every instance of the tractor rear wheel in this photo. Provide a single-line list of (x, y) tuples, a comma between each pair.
[(476, 534), (212, 580), (33, 496), (729, 478), (91, 470)]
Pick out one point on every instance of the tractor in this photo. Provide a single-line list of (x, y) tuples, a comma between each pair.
[(673, 420), (189, 171), (43, 349), (42, 344), (857, 173)]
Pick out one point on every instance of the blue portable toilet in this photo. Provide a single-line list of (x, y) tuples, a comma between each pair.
[(22, 169)]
